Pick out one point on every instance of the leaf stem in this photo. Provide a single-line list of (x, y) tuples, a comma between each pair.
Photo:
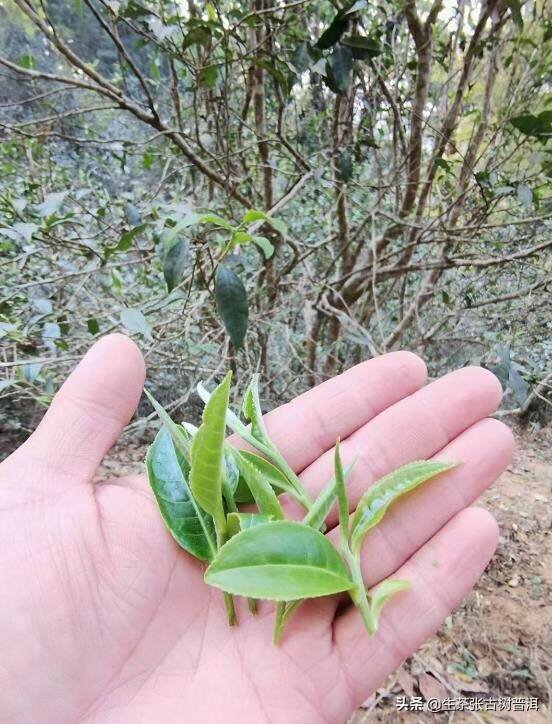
[(222, 536), (359, 594), (230, 610), (279, 621)]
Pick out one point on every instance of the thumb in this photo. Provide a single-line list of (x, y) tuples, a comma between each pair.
[(87, 415)]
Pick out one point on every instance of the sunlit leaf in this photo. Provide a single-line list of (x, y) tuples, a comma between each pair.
[(264, 245), (180, 437), (261, 489), (341, 494), (251, 409), (377, 499), (27, 61), (270, 472), (321, 507), (243, 521), (254, 215), (207, 453), (280, 561)]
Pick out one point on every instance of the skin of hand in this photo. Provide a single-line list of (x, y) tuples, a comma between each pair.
[(104, 619)]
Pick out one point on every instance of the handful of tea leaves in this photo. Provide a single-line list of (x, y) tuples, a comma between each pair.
[(200, 481)]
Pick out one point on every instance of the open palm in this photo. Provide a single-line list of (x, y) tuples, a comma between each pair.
[(104, 619)]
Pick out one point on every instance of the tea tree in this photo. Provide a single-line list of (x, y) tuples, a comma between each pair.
[(200, 481)]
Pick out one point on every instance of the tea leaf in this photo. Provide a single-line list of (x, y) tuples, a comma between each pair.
[(252, 412), (232, 304), (232, 420), (270, 472), (254, 215), (167, 471), (231, 472), (362, 47), (264, 245), (176, 261), (333, 32), (243, 521), (230, 479), (210, 218), (382, 593), (266, 447), (260, 488), (342, 502), (133, 320), (377, 499), (207, 454), (339, 67), (323, 503), (180, 437), (279, 561)]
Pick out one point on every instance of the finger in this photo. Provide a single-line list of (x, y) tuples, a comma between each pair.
[(441, 574), (309, 425), (485, 451), (414, 428), (89, 412)]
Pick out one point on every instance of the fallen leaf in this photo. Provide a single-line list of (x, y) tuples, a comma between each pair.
[(406, 681), (430, 688)]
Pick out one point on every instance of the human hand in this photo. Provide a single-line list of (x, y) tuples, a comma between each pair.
[(104, 619)]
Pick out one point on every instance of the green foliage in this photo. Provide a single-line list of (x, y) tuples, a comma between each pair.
[(362, 47), (168, 476), (232, 304), (118, 209), (539, 126), (243, 521), (176, 263), (207, 453), (339, 67), (268, 471), (260, 554), (376, 500), (382, 593), (279, 561), (133, 320), (260, 487)]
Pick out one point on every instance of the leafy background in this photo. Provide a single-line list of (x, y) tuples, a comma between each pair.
[(401, 150)]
